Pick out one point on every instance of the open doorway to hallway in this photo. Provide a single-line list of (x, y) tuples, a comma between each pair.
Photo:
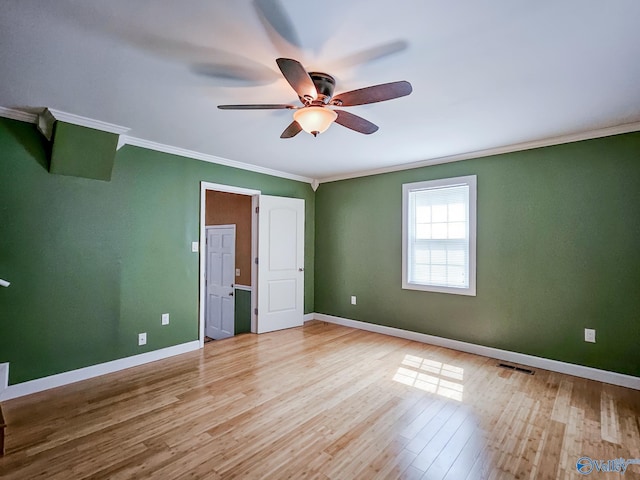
[(231, 313)]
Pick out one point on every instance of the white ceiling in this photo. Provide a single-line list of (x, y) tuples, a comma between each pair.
[(484, 74)]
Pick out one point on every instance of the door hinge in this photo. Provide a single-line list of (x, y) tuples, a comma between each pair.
[(257, 209), (255, 311), (256, 260)]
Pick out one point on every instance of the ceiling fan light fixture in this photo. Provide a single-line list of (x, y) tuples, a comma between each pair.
[(315, 120)]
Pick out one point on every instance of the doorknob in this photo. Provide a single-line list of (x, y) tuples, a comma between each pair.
[(301, 269), (231, 294)]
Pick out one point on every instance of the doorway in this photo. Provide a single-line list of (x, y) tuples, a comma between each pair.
[(228, 205), (276, 260)]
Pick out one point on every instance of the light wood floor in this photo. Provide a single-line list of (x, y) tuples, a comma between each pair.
[(326, 402)]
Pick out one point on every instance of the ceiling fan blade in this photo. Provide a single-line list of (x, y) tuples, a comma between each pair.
[(373, 94), (292, 130), (370, 54), (277, 22), (236, 75), (264, 106), (229, 68), (354, 122), (297, 77)]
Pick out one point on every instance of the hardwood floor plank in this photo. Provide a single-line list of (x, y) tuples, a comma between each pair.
[(441, 438), (441, 465), (562, 404), (322, 401), (609, 417)]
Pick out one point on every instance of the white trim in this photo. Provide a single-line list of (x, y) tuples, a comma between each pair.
[(19, 115), (545, 142), (16, 114), (407, 188), (228, 188), (246, 288), (4, 377), (45, 124), (65, 378), (308, 317), (49, 116), (123, 140), (598, 375), (204, 186), (86, 122), (255, 205), (159, 147)]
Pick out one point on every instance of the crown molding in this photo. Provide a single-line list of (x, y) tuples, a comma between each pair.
[(159, 147), (45, 121), (518, 147), (49, 116), (19, 115), (87, 122)]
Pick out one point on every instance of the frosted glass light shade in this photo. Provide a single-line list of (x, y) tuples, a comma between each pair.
[(315, 120)]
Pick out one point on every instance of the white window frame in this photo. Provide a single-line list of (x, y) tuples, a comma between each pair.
[(407, 188)]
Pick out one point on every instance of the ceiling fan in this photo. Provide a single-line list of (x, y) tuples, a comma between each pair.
[(315, 91)]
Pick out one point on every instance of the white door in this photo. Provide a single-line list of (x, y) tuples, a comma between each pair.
[(280, 263), (220, 275)]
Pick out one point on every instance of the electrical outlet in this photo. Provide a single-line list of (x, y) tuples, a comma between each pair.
[(165, 319), (353, 300), (142, 338), (237, 272), (590, 335), (195, 246)]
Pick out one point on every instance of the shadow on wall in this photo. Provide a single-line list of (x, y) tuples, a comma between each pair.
[(23, 133)]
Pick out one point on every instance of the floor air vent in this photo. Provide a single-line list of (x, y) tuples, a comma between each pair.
[(517, 369)]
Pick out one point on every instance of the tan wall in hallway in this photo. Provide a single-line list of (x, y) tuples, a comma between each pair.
[(232, 209)]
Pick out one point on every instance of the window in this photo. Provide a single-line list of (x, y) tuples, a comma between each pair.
[(439, 235)]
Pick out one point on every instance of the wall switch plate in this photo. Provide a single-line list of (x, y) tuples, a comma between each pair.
[(590, 335), (353, 300), (195, 247), (165, 319), (142, 338), (237, 272)]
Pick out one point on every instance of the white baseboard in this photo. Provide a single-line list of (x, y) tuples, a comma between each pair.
[(65, 378), (605, 376), (308, 317), (4, 377)]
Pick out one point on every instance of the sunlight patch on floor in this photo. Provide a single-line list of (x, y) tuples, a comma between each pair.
[(431, 376)]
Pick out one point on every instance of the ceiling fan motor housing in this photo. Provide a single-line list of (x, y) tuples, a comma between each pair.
[(324, 84)]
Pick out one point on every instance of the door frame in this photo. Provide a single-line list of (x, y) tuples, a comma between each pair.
[(255, 200)]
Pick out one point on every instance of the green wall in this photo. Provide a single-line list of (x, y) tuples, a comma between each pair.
[(92, 263), (69, 146), (242, 320), (558, 251)]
